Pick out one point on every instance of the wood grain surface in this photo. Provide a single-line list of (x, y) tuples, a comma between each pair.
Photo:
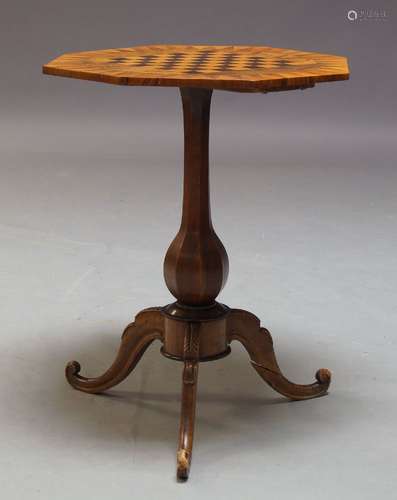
[(239, 68)]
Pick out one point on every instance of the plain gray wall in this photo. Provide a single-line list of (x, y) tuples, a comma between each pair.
[(32, 34)]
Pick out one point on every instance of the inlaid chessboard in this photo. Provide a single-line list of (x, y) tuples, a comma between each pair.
[(240, 68)]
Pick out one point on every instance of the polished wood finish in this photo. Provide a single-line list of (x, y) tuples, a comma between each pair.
[(147, 327), (188, 414), (188, 403), (245, 327), (196, 328), (212, 338), (238, 68), (196, 264)]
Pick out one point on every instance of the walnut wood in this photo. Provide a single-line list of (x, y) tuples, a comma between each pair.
[(196, 264), (211, 338), (245, 327), (188, 402), (238, 68), (147, 327), (187, 419), (195, 313)]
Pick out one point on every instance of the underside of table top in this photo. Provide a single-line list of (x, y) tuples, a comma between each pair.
[(238, 68)]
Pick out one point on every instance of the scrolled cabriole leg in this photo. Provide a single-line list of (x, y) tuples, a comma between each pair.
[(188, 411), (245, 327), (147, 327), (188, 403)]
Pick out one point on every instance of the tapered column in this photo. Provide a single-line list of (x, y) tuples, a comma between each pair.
[(196, 264)]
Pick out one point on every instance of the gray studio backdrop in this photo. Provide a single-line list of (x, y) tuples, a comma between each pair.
[(304, 197)]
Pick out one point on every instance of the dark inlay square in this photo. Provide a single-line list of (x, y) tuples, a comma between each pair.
[(282, 63), (255, 62), (146, 60), (226, 63), (118, 60), (196, 65), (173, 60)]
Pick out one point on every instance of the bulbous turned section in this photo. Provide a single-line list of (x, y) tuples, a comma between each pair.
[(195, 268), (196, 264)]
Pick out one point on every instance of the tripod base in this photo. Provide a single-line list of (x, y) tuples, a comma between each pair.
[(193, 335)]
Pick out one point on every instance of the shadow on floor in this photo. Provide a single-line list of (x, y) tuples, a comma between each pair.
[(234, 404)]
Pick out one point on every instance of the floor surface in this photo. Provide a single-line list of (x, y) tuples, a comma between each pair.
[(87, 211)]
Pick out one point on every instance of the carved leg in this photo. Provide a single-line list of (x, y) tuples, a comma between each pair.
[(245, 327), (188, 411), (148, 326)]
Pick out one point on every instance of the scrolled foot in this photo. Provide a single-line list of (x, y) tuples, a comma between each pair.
[(72, 369), (323, 376), (136, 338), (245, 327)]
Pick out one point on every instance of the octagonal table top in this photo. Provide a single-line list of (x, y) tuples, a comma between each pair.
[(232, 67)]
